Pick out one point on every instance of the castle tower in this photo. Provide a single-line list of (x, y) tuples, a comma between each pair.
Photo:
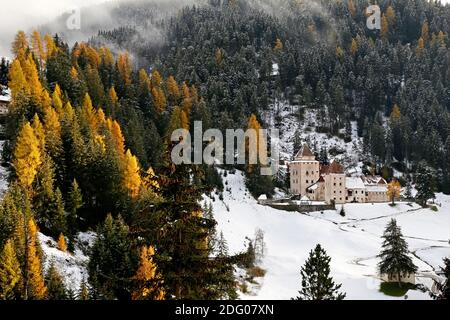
[(335, 183), (304, 171)]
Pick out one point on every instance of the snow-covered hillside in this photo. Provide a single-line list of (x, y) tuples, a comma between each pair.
[(72, 267), (285, 117), (352, 242)]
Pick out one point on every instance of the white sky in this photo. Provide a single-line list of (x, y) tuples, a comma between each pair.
[(26, 14)]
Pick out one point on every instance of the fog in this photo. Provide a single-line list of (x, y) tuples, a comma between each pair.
[(28, 14)]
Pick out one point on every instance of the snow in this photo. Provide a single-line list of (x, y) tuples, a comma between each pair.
[(349, 153), (3, 175), (354, 183), (353, 241), (72, 267), (275, 69), (5, 95)]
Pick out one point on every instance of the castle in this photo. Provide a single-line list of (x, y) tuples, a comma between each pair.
[(328, 183)]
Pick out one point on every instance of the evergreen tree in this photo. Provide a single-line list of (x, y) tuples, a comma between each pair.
[(395, 261), (444, 287), (425, 184), (317, 284), (113, 261), (55, 284), (83, 292)]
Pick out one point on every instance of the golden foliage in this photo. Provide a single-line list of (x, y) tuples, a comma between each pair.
[(394, 190), (35, 285), (27, 156), (10, 273), (62, 243), (148, 280), (132, 179)]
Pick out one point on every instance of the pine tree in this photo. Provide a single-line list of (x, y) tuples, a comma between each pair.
[(55, 284), (74, 203), (444, 287), (83, 292), (425, 184), (27, 156), (148, 282), (10, 273), (113, 261), (395, 261), (317, 284), (34, 280), (394, 190)]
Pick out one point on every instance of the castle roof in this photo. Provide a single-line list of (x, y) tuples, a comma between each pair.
[(305, 151), (334, 167)]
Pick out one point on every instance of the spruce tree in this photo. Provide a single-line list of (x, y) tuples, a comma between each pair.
[(395, 261), (83, 292), (113, 261), (55, 284), (317, 284), (444, 287), (425, 184)]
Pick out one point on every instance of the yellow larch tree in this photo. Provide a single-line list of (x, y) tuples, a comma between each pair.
[(20, 43), (425, 32), (39, 132), (253, 124), (116, 132), (50, 46), (88, 113), (149, 180), (35, 285), (10, 273), (125, 68), (354, 47), (394, 190), (159, 99), (396, 114), (420, 46), (38, 48), (18, 83), (186, 104), (27, 156), (390, 15), (278, 46), (351, 8), (384, 28), (173, 90), (62, 245), (148, 281), (57, 102), (132, 178), (156, 80)]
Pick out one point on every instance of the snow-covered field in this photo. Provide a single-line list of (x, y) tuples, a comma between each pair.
[(353, 242)]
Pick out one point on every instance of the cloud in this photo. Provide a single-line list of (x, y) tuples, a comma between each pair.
[(26, 14)]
